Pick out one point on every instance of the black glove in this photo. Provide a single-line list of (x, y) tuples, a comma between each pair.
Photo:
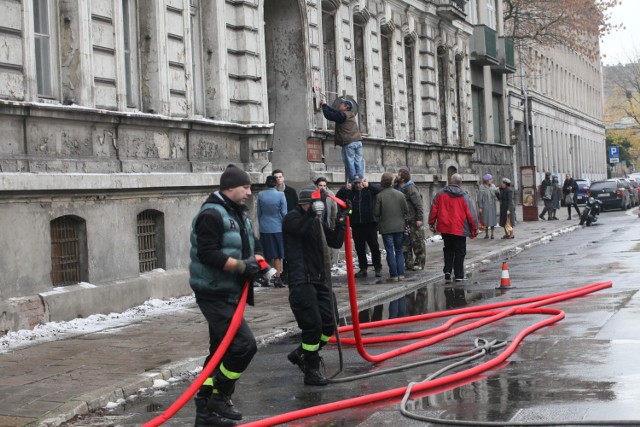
[(248, 268), (343, 213)]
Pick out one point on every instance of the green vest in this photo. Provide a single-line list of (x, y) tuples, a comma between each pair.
[(214, 283)]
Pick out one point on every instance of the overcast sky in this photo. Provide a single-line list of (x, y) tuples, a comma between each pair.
[(623, 45)]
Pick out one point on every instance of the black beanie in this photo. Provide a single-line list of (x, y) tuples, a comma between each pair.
[(305, 194), (233, 177)]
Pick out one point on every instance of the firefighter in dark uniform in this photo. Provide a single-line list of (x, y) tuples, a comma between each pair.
[(224, 254), (307, 238)]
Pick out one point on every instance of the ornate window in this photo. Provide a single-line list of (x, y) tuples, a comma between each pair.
[(45, 48), (386, 53), (361, 76)]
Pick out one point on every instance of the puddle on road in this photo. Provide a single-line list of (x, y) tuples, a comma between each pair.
[(429, 299)]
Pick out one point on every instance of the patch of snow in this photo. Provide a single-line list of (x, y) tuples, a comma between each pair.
[(52, 331), (160, 384), (433, 239)]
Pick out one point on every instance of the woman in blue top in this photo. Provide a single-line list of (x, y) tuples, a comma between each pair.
[(272, 207)]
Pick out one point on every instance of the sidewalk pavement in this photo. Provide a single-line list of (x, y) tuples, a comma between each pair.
[(49, 383)]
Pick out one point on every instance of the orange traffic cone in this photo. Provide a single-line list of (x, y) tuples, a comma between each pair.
[(505, 281)]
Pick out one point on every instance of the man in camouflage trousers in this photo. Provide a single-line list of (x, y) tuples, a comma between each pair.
[(414, 248)]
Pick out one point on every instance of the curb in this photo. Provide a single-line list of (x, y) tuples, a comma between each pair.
[(90, 402)]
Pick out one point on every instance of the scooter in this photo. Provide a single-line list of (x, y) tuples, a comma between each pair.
[(591, 210)]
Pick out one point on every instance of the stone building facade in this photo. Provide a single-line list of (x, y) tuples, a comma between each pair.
[(492, 60), (118, 117), (564, 106)]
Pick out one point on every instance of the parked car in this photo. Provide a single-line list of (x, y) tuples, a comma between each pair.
[(613, 193), (635, 191), (583, 189)]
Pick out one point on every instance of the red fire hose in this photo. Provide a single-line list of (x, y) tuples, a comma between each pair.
[(443, 381), (489, 313), (532, 302)]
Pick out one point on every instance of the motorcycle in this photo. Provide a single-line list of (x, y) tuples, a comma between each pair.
[(591, 210)]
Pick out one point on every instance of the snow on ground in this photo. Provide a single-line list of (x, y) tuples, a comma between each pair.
[(98, 322)]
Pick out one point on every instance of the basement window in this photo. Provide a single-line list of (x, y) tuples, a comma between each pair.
[(150, 240), (68, 251)]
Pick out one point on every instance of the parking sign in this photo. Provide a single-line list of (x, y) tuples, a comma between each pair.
[(614, 154)]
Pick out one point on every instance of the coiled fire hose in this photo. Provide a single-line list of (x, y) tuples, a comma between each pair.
[(488, 313)]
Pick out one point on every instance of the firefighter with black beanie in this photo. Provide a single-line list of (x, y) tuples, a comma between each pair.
[(307, 238), (224, 255)]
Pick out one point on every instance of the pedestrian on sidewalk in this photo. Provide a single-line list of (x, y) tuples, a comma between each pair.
[(570, 193), (307, 239), (414, 248), (292, 200), (391, 213), (224, 254), (556, 195), (487, 197), (546, 191), (347, 136), (507, 209), (362, 197), (271, 210), (454, 217)]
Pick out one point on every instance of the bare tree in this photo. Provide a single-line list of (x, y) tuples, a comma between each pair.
[(623, 102), (572, 23)]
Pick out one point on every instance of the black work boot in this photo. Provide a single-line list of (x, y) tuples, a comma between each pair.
[(312, 374), (206, 418), (202, 397), (220, 401), (297, 358)]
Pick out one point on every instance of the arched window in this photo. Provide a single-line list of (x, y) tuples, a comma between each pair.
[(151, 240), (68, 250)]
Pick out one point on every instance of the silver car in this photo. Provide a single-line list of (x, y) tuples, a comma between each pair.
[(634, 188)]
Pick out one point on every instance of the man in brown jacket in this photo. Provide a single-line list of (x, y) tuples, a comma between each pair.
[(347, 135)]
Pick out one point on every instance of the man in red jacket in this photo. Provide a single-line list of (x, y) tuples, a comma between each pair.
[(454, 217)]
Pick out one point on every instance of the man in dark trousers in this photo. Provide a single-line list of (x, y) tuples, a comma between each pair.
[(546, 192), (362, 196), (307, 238), (224, 254), (453, 216), (347, 136)]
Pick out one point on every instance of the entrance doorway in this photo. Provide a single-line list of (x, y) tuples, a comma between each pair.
[(287, 86)]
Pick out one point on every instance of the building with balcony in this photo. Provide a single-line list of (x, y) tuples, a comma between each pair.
[(491, 59), (118, 117), (558, 94)]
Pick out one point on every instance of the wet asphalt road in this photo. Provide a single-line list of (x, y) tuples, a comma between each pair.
[(584, 367)]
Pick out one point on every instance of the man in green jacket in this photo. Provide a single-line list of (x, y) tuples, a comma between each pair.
[(224, 255), (391, 211)]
